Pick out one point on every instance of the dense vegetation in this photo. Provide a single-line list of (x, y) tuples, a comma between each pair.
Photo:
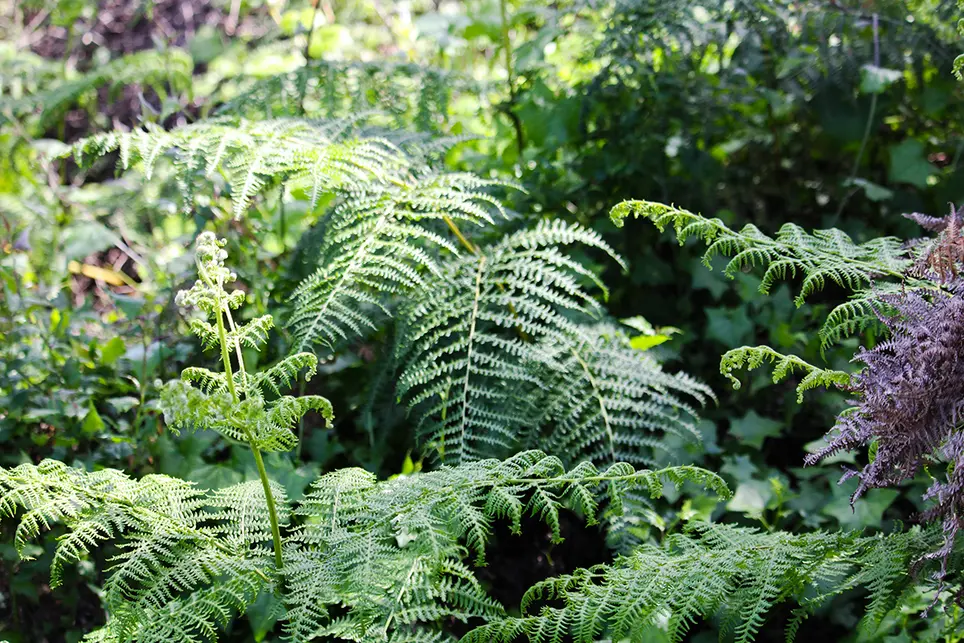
[(363, 321)]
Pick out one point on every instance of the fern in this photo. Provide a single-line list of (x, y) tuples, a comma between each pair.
[(471, 342), (232, 403), (711, 570), (392, 551), (358, 559), (170, 69), (752, 357), (405, 92), (825, 255), (162, 585), (606, 401), (389, 552), (319, 155), (380, 241)]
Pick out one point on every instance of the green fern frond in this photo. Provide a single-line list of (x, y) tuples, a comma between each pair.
[(751, 357), (824, 255), (181, 571), (381, 241), (285, 372), (712, 570), (607, 402), (390, 552), (160, 70), (863, 312), (320, 155), (233, 403), (406, 93), (855, 316), (471, 340)]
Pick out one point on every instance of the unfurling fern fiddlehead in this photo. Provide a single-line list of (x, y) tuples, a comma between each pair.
[(233, 403)]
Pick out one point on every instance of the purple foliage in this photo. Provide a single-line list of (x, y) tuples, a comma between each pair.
[(909, 401)]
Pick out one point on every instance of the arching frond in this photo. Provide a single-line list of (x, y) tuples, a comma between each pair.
[(182, 572), (607, 402), (824, 255), (320, 155), (381, 241), (711, 571), (391, 551), (471, 340), (405, 93), (751, 357), (160, 70)]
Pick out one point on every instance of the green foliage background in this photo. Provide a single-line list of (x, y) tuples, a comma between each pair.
[(821, 114)]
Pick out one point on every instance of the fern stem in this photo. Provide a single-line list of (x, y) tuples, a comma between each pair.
[(599, 398), (258, 460), (471, 247), (468, 354), (461, 237)]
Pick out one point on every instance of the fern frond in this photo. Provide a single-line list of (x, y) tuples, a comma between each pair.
[(390, 552), (182, 571), (470, 342), (321, 155), (751, 357), (233, 404), (159, 70), (381, 241), (608, 402), (712, 570), (266, 425), (285, 372), (406, 93), (824, 255), (867, 309)]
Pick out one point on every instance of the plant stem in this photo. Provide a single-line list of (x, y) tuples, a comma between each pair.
[(262, 473), (510, 80), (507, 47), (307, 54)]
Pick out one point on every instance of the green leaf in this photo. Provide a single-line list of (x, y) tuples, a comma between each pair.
[(752, 429), (87, 238), (112, 351), (875, 80), (123, 404), (908, 164), (646, 342), (729, 326), (751, 497), (871, 190), (92, 421), (868, 511), (263, 614)]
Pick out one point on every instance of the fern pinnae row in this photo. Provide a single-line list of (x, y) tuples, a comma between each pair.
[(468, 358), (599, 398), (822, 255)]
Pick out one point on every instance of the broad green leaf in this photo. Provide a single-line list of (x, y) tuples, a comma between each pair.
[(908, 164), (875, 80), (112, 351), (729, 326), (872, 191), (752, 429), (867, 511), (751, 497), (92, 421)]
